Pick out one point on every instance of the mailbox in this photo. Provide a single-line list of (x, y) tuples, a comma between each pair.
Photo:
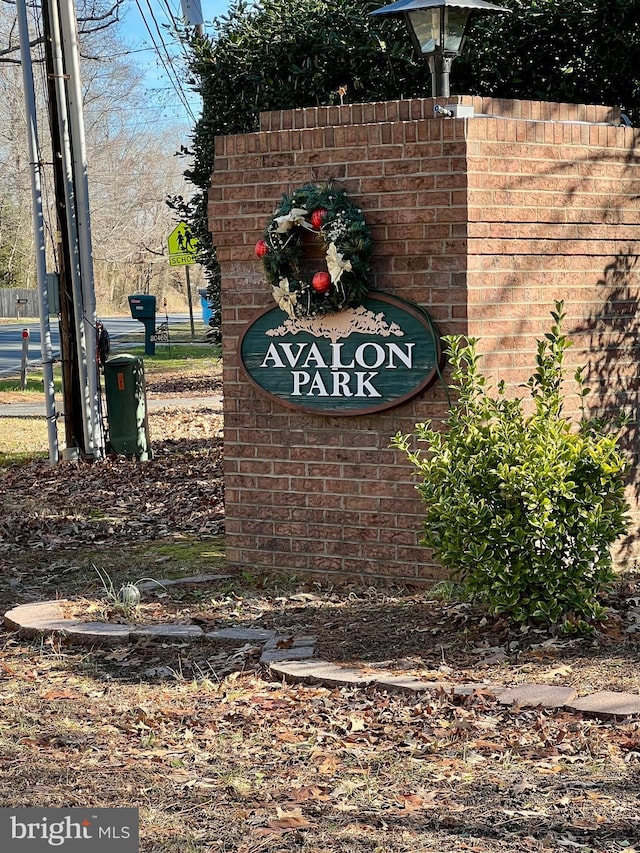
[(143, 308)]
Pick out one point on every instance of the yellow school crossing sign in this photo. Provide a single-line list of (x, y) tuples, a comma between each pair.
[(183, 246)]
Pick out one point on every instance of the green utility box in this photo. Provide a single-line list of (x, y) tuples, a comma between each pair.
[(127, 406), (143, 308)]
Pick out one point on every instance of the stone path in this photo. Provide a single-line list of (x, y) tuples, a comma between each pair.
[(291, 658)]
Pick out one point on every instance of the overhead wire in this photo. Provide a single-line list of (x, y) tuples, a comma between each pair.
[(173, 20), (167, 63)]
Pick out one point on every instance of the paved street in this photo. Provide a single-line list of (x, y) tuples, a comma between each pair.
[(11, 338)]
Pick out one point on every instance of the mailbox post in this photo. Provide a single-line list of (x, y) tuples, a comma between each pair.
[(19, 304), (143, 308)]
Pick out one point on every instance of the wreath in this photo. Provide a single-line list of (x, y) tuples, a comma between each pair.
[(340, 226)]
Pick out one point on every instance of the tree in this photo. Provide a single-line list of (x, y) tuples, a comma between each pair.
[(557, 50), (130, 169), (283, 54)]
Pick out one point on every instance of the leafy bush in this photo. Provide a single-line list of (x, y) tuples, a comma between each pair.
[(522, 508)]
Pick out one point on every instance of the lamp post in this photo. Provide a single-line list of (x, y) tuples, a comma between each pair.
[(438, 29)]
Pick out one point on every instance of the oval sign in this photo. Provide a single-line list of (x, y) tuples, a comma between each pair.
[(358, 361)]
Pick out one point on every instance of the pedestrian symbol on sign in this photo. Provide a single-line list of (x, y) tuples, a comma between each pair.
[(183, 246)]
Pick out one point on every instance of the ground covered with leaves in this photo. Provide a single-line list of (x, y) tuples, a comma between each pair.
[(220, 756)]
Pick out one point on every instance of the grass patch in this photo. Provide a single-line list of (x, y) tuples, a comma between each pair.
[(22, 439), (178, 357), (34, 383)]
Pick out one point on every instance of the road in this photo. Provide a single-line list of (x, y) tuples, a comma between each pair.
[(11, 338)]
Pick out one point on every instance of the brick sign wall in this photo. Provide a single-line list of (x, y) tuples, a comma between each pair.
[(484, 222)]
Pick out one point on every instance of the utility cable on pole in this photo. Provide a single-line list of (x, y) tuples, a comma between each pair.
[(77, 298), (83, 220)]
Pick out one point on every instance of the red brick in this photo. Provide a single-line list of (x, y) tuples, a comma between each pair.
[(548, 207)]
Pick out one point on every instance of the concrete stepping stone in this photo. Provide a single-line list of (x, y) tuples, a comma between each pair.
[(321, 671), (289, 641), (409, 684), (294, 653), (536, 695), (95, 633), (607, 705), (36, 618), (245, 635), (168, 631)]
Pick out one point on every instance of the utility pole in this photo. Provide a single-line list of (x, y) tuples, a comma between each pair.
[(77, 302), (38, 227), (68, 343), (192, 13)]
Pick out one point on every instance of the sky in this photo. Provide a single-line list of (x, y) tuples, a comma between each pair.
[(145, 30)]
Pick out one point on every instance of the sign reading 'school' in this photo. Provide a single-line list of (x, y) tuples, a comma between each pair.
[(356, 361)]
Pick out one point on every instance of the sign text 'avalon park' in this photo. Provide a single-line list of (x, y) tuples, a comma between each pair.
[(353, 362)]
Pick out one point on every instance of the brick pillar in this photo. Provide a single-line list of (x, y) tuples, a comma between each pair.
[(484, 222)]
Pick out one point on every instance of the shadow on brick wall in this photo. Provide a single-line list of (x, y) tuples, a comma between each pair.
[(613, 373)]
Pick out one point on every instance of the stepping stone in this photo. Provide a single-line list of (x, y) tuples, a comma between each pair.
[(35, 618), (536, 695), (103, 633), (607, 704), (242, 634), (408, 684), (289, 641), (294, 653), (168, 632), (476, 687), (323, 672)]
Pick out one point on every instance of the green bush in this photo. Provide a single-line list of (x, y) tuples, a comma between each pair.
[(521, 506)]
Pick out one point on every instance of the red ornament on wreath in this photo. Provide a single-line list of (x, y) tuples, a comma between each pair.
[(261, 248), (318, 217), (321, 282)]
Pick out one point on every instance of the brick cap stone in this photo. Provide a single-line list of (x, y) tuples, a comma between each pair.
[(536, 695), (607, 704)]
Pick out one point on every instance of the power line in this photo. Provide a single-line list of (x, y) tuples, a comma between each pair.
[(166, 64), (175, 26)]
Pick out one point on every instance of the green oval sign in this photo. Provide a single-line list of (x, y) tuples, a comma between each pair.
[(358, 361)]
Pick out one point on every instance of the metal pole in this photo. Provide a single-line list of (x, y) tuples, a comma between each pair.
[(81, 186), (38, 229), (70, 209), (445, 70), (193, 330)]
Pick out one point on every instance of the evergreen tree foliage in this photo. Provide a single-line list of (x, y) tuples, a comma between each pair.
[(282, 54), (571, 51)]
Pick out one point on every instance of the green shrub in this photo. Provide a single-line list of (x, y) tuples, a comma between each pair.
[(521, 506)]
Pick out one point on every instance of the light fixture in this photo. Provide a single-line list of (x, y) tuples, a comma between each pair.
[(438, 29)]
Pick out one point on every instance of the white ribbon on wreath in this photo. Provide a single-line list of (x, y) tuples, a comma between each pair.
[(336, 263)]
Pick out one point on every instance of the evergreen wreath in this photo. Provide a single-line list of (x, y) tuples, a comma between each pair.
[(340, 226)]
